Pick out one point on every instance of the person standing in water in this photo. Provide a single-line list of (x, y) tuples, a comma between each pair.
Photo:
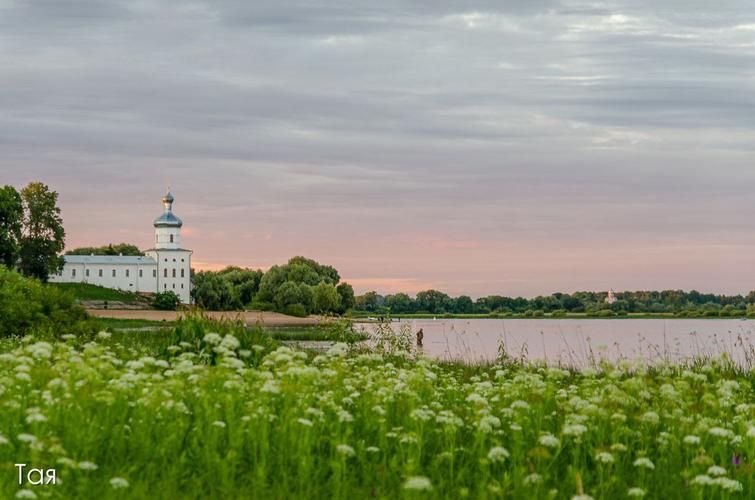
[(420, 336)]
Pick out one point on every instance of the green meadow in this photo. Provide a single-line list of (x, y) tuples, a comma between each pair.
[(218, 410)]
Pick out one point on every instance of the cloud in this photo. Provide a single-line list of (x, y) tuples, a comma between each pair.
[(353, 130)]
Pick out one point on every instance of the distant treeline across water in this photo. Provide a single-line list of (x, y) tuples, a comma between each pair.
[(678, 302)]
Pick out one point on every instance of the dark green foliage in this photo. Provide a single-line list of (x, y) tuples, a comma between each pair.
[(346, 293), (11, 219), (300, 287), (26, 306), (43, 235), (166, 301), (211, 291), (676, 302), (111, 249), (325, 298)]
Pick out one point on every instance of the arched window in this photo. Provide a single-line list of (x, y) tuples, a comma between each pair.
[(174, 273), (165, 273), (171, 238), (182, 273)]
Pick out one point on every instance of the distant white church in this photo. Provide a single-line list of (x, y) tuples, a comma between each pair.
[(165, 267)]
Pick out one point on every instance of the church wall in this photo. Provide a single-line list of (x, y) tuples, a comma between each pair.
[(173, 271), (127, 276)]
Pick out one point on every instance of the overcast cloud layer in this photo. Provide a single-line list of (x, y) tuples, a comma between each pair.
[(478, 147)]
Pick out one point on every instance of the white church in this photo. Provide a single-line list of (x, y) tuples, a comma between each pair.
[(165, 267)]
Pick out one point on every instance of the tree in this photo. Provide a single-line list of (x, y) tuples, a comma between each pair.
[(111, 249), (272, 280), (27, 306), (11, 220), (290, 293), (370, 301), (463, 305), (432, 301), (325, 298), (399, 303), (166, 301), (346, 292), (212, 292), (43, 235)]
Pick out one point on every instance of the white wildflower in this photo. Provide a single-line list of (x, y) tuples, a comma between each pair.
[(549, 441), (212, 339), (575, 430), (418, 483), (118, 483), (691, 440), (498, 454), (644, 462), (716, 470), (345, 450), (533, 478), (604, 457)]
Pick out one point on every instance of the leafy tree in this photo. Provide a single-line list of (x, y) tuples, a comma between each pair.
[(325, 298), (166, 301), (43, 235), (246, 282), (290, 293), (11, 220), (399, 303), (211, 291), (432, 301), (463, 305), (272, 280), (346, 294), (111, 249), (369, 302), (27, 306)]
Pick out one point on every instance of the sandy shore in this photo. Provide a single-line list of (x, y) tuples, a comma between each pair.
[(249, 317)]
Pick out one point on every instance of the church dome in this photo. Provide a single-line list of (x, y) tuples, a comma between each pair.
[(168, 219)]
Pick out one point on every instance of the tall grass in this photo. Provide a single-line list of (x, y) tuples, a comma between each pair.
[(216, 410)]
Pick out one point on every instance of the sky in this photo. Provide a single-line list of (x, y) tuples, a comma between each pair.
[(478, 147)]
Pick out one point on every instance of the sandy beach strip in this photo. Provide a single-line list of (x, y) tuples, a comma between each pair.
[(265, 318)]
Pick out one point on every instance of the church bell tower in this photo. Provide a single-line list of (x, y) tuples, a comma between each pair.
[(168, 227)]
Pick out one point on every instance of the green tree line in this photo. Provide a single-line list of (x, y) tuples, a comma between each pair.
[(111, 249), (300, 287), (678, 302)]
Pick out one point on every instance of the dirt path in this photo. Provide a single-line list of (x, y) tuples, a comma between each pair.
[(250, 317)]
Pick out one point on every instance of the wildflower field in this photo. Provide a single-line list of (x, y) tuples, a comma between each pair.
[(213, 410)]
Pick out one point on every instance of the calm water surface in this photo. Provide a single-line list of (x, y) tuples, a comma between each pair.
[(580, 342)]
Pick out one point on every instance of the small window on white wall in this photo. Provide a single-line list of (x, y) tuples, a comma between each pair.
[(86, 273), (154, 273), (127, 273), (113, 273), (165, 273), (73, 273), (100, 273), (171, 238), (140, 273), (183, 273), (174, 273)]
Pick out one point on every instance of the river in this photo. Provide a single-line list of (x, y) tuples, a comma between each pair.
[(583, 342)]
